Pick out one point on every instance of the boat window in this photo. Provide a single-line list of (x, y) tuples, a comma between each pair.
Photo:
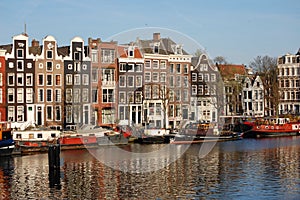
[(31, 136), (40, 135), (19, 136), (53, 135)]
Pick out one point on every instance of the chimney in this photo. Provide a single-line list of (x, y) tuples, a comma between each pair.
[(35, 43), (156, 36)]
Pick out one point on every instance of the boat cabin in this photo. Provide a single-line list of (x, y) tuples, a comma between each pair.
[(36, 135)]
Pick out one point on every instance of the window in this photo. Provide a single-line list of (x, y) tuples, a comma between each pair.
[(20, 113), (206, 77), (57, 79), (178, 68), (69, 114), (171, 68), (77, 79), (94, 75), (49, 54), (122, 67), (158, 109), (147, 76), (68, 95), (49, 79), (171, 80), (155, 92), (40, 95), (130, 97), (41, 65), (49, 95), (76, 95), (151, 108), (122, 98), (107, 55), (108, 116), (85, 95), (177, 110), (77, 55), (77, 67), (70, 67), (194, 77), (163, 77), (57, 66), (1, 95), (138, 97), (138, 81), (1, 79), (156, 49), (49, 66), (148, 64), (69, 79), (206, 90), (213, 90), (20, 78), (85, 79), (185, 82), (94, 56), (29, 81), (29, 95), (163, 64), (155, 64), (49, 113), (185, 95), (200, 89), (57, 95), (20, 65), (11, 113), (185, 69), (108, 75), (84, 67), (94, 95), (130, 81), (40, 79), (122, 81), (57, 113), (171, 110), (107, 95), (138, 67), (155, 77), (147, 91), (194, 89), (213, 78), (11, 94), (177, 95), (11, 79), (178, 81), (20, 53), (200, 77)]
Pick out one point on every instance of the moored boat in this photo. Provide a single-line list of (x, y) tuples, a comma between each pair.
[(271, 127), (75, 140), (195, 132), (7, 144), (34, 139)]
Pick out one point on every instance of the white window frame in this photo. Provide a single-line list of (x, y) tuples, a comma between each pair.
[(42, 75), (51, 79), (29, 95), (31, 79), (138, 81), (13, 79), (57, 95), (11, 91), (49, 113), (128, 81), (51, 95), (21, 76), (69, 79)]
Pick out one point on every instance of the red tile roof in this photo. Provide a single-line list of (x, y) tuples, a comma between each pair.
[(229, 70)]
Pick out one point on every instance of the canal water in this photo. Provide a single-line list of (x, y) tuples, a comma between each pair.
[(243, 169)]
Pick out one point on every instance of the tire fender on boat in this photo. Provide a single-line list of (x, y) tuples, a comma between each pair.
[(272, 127)]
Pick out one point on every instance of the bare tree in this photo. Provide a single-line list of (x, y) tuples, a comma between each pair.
[(266, 68), (220, 60)]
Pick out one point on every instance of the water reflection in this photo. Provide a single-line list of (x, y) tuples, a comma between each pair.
[(264, 169)]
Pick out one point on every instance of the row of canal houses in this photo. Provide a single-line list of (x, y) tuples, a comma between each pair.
[(154, 82)]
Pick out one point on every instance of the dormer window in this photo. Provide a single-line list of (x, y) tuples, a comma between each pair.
[(155, 49), (131, 51)]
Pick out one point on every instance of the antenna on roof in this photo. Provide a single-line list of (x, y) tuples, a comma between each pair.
[(25, 31)]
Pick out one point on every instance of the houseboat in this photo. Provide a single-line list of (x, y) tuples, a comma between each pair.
[(34, 139), (271, 127), (7, 144), (195, 132)]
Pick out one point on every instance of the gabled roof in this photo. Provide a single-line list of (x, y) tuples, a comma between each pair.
[(229, 71), (123, 52), (166, 46)]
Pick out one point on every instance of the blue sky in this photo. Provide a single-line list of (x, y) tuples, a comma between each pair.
[(239, 30)]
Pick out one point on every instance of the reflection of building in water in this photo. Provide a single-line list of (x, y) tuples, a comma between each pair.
[(5, 164)]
